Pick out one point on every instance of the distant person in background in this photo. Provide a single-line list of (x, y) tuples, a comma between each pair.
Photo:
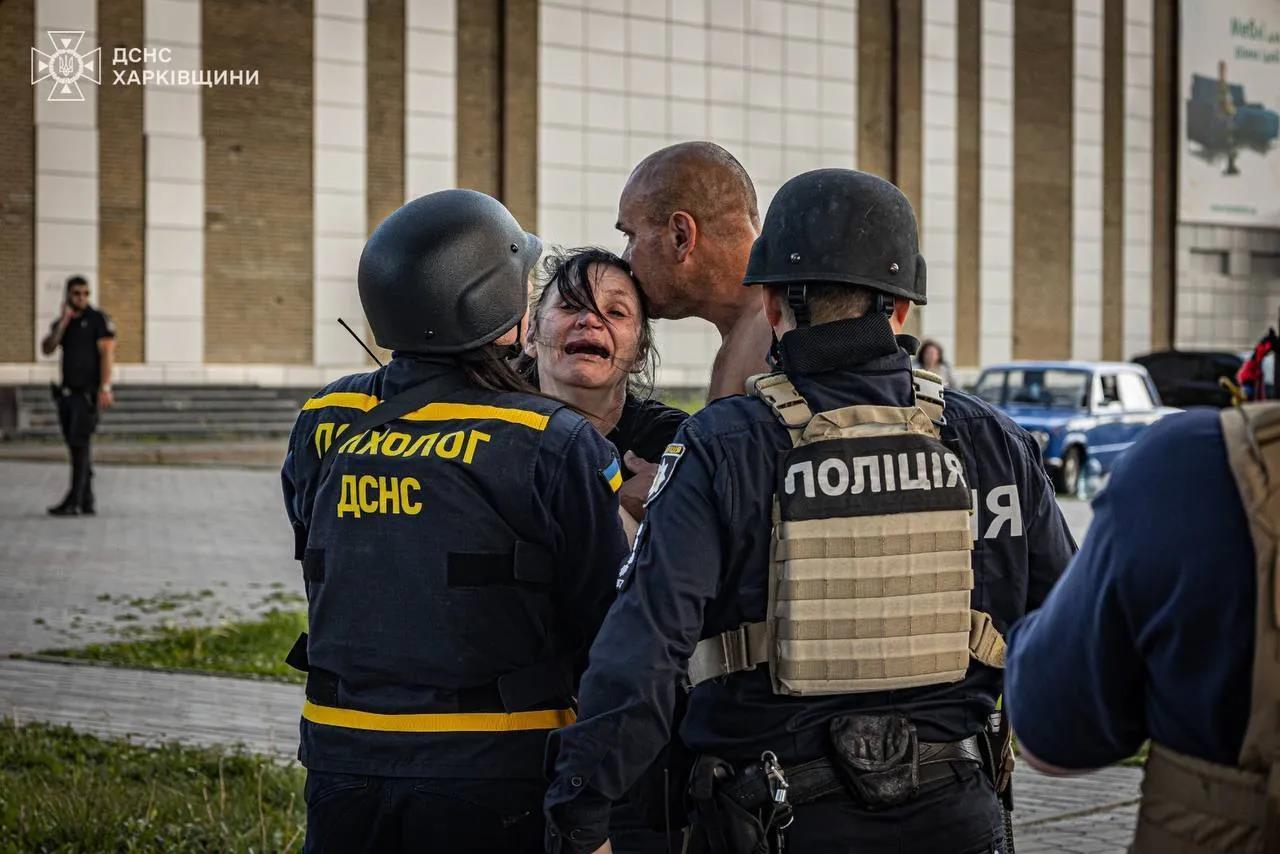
[(930, 358), (88, 341), (689, 214)]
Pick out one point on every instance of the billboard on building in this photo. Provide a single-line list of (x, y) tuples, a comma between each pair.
[(1229, 92)]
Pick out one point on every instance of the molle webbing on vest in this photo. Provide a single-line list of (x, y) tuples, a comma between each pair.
[(871, 569), (929, 393), (777, 391)]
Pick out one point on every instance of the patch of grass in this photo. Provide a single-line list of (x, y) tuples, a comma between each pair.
[(253, 648), (1138, 759), (62, 791)]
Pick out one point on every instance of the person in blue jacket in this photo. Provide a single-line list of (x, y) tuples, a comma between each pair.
[(1150, 633), (840, 265), (459, 537)]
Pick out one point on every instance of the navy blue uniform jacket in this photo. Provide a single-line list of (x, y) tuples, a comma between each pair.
[(700, 567), (1150, 634), (475, 539)]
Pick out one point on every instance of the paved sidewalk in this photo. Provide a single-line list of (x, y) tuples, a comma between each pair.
[(1080, 815), (246, 453), (193, 545)]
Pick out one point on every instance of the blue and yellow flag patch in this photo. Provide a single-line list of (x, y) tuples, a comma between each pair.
[(612, 475)]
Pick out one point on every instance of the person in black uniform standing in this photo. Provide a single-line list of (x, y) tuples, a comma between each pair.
[(88, 340), (459, 536), (867, 770)]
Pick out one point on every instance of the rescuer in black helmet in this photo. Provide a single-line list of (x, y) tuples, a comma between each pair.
[(459, 540), (808, 565)]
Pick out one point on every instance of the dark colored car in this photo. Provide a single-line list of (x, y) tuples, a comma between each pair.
[(1192, 377), (1084, 415)]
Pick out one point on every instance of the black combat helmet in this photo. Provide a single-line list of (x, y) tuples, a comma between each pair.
[(446, 273), (842, 227)]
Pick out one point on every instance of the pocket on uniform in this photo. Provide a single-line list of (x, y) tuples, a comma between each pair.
[(507, 806), (322, 785)]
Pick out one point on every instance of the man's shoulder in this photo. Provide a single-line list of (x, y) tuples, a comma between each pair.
[(353, 391), (961, 405), (729, 415)]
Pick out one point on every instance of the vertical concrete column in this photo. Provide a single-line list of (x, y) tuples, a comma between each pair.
[(1113, 184), (875, 87), (66, 171), (174, 255), (1164, 191), (968, 185), (338, 188), (260, 190), (909, 127), (995, 314), (1139, 68), (480, 96), (430, 96), (939, 75), (520, 110), (1087, 195), (1043, 60), (17, 185), (121, 208)]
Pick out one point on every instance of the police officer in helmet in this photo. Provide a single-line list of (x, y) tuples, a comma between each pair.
[(829, 562), (458, 536)]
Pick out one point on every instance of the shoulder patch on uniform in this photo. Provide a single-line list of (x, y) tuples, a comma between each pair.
[(612, 474), (666, 467)]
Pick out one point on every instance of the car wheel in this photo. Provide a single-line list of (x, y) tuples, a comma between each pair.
[(1067, 478)]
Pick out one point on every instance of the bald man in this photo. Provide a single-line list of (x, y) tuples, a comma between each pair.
[(690, 216)]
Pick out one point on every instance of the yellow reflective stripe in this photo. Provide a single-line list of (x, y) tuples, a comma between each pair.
[(462, 722), (435, 411), (344, 399), (475, 411)]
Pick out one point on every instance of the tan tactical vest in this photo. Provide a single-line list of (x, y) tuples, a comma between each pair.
[(871, 573), (1190, 806)]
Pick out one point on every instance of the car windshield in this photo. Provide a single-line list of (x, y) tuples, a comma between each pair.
[(1048, 387)]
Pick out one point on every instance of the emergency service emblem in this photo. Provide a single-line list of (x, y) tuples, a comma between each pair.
[(666, 466)]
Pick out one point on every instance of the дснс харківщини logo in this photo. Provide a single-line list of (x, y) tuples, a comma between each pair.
[(66, 66)]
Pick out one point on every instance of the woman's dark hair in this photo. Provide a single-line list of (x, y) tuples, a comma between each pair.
[(489, 369), (565, 274), (925, 345)]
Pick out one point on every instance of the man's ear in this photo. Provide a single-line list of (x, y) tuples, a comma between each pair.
[(528, 332), (772, 306), (683, 231), (901, 308)]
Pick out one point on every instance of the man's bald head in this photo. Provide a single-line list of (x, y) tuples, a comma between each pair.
[(700, 178)]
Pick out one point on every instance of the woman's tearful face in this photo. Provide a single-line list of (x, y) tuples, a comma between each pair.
[(579, 348)]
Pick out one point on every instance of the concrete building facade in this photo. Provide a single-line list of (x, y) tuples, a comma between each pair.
[(221, 225)]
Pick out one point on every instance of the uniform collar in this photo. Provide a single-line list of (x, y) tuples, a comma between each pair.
[(849, 361), (840, 345)]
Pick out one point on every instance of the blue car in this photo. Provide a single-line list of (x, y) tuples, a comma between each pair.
[(1083, 414)]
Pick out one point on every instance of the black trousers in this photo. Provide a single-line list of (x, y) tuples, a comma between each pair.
[(355, 813), (959, 816), (78, 418)]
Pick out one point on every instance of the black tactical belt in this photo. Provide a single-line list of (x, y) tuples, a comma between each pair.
[(818, 778)]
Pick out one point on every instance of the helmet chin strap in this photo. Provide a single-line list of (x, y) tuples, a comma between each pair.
[(798, 301)]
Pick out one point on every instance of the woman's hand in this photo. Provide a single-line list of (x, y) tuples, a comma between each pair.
[(632, 494)]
